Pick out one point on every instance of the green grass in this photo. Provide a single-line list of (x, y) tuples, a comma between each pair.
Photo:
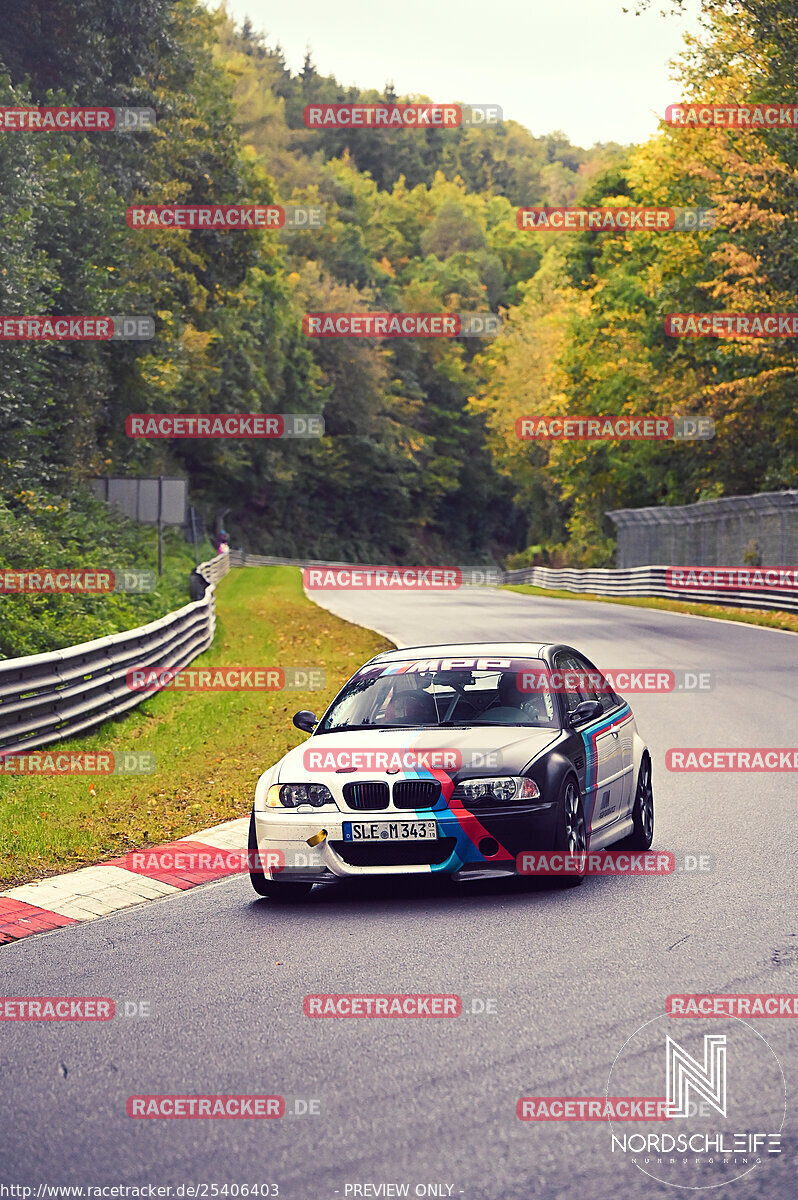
[(746, 616), (210, 747)]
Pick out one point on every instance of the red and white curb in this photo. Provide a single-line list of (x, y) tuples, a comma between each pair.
[(142, 875)]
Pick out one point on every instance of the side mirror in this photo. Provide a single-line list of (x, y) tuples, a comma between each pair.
[(305, 720), (588, 710)]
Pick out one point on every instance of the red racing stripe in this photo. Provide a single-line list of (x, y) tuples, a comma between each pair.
[(467, 821)]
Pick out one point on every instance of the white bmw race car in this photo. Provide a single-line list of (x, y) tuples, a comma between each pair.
[(457, 759)]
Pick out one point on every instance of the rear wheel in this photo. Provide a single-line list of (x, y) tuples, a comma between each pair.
[(287, 892), (571, 830), (642, 834)]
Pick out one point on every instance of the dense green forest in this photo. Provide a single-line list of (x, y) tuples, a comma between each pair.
[(420, 461), (415, 220)]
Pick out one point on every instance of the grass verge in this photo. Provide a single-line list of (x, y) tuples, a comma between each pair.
[(772, 619), (210, 747)]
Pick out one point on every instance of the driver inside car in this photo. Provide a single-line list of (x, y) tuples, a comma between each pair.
[(409, 704), (511, 703)]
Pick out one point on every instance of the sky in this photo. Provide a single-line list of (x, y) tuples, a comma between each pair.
[(581, 66)]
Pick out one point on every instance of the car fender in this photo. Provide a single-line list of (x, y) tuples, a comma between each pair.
[(550, 770)]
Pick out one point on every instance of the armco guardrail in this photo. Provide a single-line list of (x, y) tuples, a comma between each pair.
[(216, 568), (632, 581), (46, 697), (242, 559), (649, 581)]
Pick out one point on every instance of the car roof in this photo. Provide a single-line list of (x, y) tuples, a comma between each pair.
[(467, 650)]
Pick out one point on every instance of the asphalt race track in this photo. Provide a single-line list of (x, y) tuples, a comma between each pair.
[(573, 974)]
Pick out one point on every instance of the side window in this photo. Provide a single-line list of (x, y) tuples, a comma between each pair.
[(593, 685), (564, 663)]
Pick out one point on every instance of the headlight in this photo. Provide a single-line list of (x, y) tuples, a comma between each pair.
[(507, 787), (289, 795)]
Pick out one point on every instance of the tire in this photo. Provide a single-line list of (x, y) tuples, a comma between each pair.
[(642, 835), (571, 830), (284, 892)]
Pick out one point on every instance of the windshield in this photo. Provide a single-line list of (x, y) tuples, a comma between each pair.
[(423, 693)]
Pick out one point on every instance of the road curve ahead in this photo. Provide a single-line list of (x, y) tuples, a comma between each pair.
[(427, 1107)]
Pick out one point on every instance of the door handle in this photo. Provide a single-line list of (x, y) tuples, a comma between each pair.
[(614, 733)]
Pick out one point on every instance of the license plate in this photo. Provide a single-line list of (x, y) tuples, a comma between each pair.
[(390, 831)]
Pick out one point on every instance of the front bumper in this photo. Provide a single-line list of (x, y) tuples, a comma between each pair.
[(475, 844)]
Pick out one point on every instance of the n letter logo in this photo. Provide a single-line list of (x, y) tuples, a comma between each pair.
[(707, 1081)]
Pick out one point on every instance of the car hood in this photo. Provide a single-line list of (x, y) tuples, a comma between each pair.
[(478, 750)]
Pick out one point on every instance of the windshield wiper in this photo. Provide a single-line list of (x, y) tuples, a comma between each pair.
[(376, 728)]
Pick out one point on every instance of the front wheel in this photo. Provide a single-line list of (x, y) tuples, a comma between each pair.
[(272, 888), (571, 830), (642, 834)]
